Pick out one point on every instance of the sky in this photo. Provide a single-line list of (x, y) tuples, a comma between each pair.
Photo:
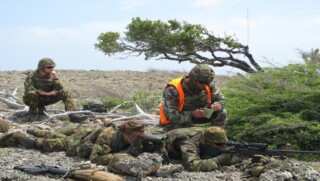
[(66, 30)]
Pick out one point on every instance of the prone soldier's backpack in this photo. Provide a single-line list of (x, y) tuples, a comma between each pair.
[(95, 107)]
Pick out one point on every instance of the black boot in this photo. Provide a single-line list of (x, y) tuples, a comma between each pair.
[(32, 114), (17, 138), (32, 117), (42, 114), (29, 143)]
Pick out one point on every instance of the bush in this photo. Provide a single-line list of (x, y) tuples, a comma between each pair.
[(278, 106), (148, 102), (111, 102)]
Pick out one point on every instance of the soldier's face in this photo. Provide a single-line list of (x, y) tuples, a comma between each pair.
[(47, 70), (198, 85)]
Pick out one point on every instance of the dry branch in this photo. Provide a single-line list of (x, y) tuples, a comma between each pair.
[(20, 110)]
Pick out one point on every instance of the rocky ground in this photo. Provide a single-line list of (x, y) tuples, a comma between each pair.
[(92, 85)]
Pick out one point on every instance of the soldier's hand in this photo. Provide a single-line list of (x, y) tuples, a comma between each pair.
[(216, 106), (53, 93), (54, 74), (198, 113)]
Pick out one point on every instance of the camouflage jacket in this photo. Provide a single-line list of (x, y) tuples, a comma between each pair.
[(36, 83), (107, 141), (185, 144), (193, 100)]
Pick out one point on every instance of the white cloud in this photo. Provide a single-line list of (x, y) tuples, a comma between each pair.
[(131, 4)]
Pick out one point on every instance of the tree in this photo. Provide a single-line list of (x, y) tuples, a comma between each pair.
[(311, 57), (179, 42)]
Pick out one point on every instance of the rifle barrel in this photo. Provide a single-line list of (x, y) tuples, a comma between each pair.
[(295, 151)]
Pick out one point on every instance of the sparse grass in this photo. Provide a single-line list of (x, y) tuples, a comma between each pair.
[(95, 85)]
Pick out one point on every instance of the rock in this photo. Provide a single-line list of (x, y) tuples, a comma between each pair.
[(168, 170), (271, 175), (140, 166), (311, 174)]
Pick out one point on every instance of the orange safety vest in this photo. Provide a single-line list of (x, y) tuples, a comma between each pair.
[(177, 84)]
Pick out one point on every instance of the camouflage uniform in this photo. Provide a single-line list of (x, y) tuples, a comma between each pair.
[(34, 84), (194, 99), (187, 143), (97, 144)]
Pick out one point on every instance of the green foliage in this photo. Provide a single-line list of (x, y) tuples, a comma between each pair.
[(147, 101), (111, 102), (108, 42), (178, 41), (278, 106)]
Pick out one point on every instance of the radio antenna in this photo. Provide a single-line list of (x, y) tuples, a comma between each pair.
[(248, 26)]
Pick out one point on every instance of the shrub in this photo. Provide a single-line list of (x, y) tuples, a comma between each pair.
[(277, 106), (111, 102), (148, 102)]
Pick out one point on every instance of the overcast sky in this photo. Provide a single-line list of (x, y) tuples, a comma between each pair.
[(66, 30)]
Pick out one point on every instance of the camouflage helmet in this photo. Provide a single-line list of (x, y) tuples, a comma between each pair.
[(215, 134), (202, 72), (4, 126), (46, 62), (132, 126)]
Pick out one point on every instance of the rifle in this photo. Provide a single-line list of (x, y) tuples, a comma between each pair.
[(85, 174), (155, 143), (41, 169), (152, 142), (249, 149)]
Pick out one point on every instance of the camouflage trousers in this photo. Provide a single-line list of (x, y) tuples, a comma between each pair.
[(37, 102), (58, 142), (68, 139)]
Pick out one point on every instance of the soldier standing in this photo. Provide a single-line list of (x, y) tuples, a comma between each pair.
[(193, 99), (43, 88)]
